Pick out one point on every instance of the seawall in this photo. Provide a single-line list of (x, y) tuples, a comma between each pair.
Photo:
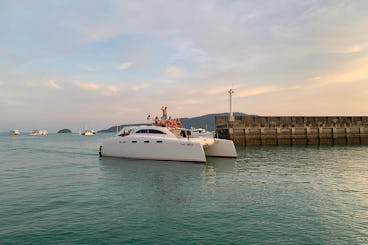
[(259, 130)]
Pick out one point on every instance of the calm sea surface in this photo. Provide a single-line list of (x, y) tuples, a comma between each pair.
[(55, 190)]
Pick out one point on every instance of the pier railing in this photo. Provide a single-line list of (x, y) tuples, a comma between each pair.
[(257, 130)]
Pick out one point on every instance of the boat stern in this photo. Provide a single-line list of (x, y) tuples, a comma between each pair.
[(221, 148)]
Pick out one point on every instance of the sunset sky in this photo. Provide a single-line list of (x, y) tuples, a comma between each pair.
[(69, 63)]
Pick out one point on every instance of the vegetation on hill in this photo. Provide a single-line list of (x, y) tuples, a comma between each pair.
[(205, 121), (64, 131), (114, 129)]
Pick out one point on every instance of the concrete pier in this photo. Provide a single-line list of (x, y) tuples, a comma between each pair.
[(258, 130)]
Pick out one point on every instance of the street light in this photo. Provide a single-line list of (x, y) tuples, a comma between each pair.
[(231, 116)]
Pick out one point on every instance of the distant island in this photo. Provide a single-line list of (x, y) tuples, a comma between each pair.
[(64, 131), (205, 121)]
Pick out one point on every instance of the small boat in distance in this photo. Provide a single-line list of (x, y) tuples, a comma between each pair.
[(88, 132), (14, 132), (38, 132), (200, 132)]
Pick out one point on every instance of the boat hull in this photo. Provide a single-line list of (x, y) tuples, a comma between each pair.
[(214, 147), (153, 149), (221, 148), (14, 132), (38, 132)]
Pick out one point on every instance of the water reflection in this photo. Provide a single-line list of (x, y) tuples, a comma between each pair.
[(332, 170), (218, 164), (166, 181), (213, 166), (217, 172), (162, 185)]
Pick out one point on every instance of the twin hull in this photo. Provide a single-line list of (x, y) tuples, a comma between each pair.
[(217, 147), (191, 150), (153, 148)]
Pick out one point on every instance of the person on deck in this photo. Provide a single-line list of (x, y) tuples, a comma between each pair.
[(157, 120), (178, 123), (164, 112)]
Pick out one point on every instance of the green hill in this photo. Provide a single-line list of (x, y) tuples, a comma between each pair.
[(64, 131), (205, 121), (114, 129)]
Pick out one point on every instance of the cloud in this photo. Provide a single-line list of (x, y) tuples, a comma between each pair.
[(356, 48), (184, 49), (141, 86), (217, 90), (354, 71), (191, 102), (53, 84), (175, 71), (258, 91), (104, 89), (125, 66), (49, 84), (185, 53)]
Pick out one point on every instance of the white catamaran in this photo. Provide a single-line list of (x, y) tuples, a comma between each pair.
[(162, 143)]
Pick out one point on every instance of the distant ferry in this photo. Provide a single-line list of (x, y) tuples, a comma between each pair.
[(88, 132), (14, 132), (38, 132)]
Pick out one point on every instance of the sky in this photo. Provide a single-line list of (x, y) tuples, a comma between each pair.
[(76, 64)]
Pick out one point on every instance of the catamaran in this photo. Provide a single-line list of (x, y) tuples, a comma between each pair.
[(162, 143)]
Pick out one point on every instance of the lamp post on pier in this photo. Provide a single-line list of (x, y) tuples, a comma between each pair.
[(231, 116)]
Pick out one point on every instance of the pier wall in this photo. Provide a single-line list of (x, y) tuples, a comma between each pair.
[(258, 130)]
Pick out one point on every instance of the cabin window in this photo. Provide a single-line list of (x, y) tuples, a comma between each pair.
[(146, 141), (159, 141), (142, 131), (134, 141), (125, 133), (149, 131), (155, 131)]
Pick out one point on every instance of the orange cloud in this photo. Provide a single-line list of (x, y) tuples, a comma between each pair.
[(257, 91), (190, 102), (354, 72), (217, 90)]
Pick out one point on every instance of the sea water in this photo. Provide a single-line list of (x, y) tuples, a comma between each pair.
[(55, 189)]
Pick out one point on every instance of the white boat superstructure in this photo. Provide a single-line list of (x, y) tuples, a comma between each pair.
[(160, 143), (14, 132), (200, 132), (88, 132), (38, 132)]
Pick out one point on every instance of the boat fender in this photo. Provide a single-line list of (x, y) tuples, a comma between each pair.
[(100, 151)]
